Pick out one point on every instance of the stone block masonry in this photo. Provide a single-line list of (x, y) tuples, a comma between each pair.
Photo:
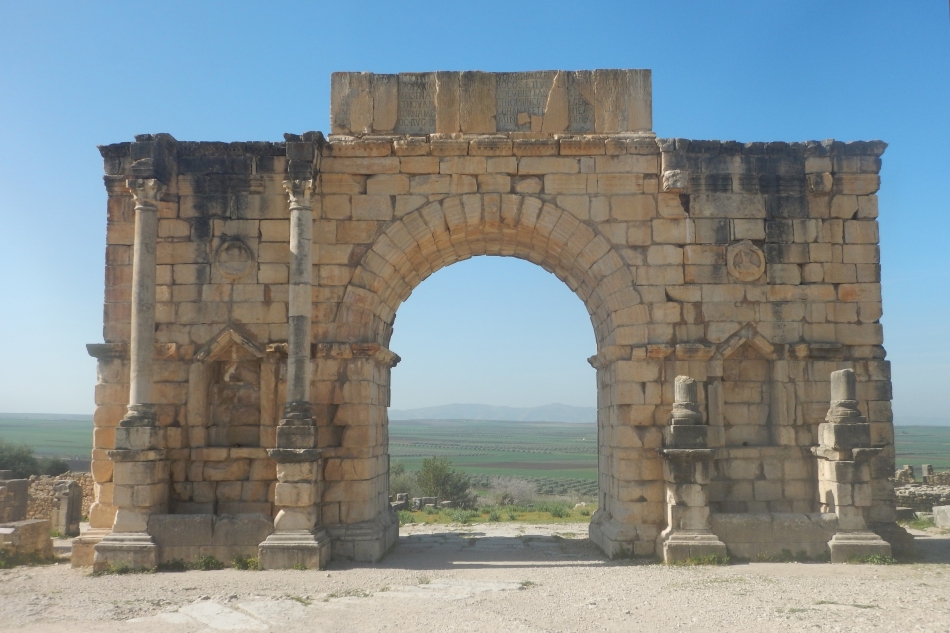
[(262, 386)]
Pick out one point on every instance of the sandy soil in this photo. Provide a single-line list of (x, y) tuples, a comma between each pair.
[(500, 577)]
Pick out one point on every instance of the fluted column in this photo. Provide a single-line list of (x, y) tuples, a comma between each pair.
[(146, 193), (300, 300)]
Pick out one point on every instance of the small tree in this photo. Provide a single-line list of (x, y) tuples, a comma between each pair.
[(437, 478), (401, 480), (18, 458)]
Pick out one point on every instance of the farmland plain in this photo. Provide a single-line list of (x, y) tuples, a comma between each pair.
[(517, 449)]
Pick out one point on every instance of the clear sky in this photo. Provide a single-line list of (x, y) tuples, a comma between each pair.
[(74, 75)]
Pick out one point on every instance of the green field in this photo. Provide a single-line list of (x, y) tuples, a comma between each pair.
[(49, 436), (918, 445), (533, 450), (518, 449)]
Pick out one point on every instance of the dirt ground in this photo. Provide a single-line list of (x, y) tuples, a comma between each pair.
[(487, 578)]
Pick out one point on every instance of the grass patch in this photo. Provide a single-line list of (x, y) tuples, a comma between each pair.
[(122, 569), (527, 584), (464, 516), (920, 523), (406, 518), (424, 580), (205, 563), (494, 516)]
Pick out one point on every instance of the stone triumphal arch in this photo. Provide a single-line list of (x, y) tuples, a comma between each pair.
[(251, 290)]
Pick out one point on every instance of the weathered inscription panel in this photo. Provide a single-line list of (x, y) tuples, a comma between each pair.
[(545, 101), (415, 112), (518, 96)]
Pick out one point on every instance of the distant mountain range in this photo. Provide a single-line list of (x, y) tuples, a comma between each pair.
[(546, 413)]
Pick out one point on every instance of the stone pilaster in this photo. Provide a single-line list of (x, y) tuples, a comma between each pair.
[(298, 538), (687, 462), (844, 476), (141, 472)]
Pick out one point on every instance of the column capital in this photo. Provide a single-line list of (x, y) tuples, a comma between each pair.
[(299, 192), (146, 192)]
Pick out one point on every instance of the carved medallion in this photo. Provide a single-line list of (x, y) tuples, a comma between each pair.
[(233, 258), (745, 261)]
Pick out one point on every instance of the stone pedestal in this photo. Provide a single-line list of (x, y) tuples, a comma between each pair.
[(844, 475), (686, 466), (298, 539)]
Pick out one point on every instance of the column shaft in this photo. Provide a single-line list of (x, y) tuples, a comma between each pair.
[(300, 299), (146, 193)]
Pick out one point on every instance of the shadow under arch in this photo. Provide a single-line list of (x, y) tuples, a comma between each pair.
[(410, 249)]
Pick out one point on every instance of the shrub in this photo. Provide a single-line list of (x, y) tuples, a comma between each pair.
[(20, 459), (437, 478), (250, 563), (464, 516), (207, 563), (402, 481), (494, 516), (406, 518)]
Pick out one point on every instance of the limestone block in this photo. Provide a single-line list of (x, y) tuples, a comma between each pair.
[(476, 102), (387, 184), (181, 530), (856, 184), (942, 516), (132, 473), (293, 519), (228, 491), (531, 165), (297, 472), (241, 529), (294, 494), (231, 470)]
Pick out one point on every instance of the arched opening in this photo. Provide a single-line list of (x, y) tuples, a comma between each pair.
[(494, 378)]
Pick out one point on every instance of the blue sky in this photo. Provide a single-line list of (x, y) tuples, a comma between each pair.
[(74, 75)]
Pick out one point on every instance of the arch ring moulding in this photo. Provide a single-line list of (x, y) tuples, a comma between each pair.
[(456, 228)]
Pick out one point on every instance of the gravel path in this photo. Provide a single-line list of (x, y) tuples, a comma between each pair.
[(487, 578)]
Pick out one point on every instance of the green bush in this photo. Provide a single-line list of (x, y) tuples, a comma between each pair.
[(494, 516), (402, 481), (406, 518), (20, 459), (207, 563), (464, 516), (246, 564), (437, 478)]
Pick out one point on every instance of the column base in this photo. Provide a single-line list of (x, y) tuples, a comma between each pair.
[(848, 546), (366, 542), (618, 540), (84, 547), (135, 550), (288, 550), (683, 545)]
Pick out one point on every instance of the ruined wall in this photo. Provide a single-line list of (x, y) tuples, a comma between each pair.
[(42, 500)]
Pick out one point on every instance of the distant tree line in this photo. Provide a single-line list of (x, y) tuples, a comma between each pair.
[(20, 459)]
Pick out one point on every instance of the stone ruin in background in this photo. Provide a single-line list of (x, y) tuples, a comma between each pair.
[(251, 291)]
